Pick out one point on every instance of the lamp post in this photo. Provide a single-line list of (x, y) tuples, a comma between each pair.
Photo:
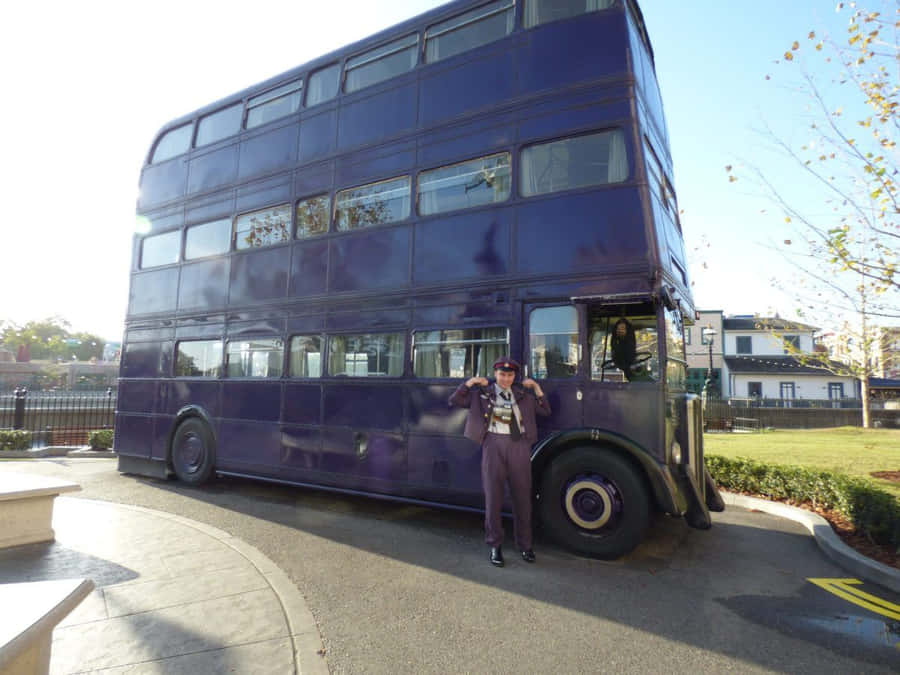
[(708, 336)]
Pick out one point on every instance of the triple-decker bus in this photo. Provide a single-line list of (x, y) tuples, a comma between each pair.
[(326, 254)]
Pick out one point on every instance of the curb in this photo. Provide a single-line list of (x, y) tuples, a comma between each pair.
[(829, 543), (304, 633), (56, 451)]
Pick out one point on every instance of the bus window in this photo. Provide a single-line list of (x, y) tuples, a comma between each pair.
[(459, 186), (469, 30), (366, 355), (624, 348), (274, 104), (323, 85), (265, 227), (207, 239), (312, 216), (257, 357), (173, 143), (676, 362), (199, 358), (381, 64), (160, 249), (553, 341), (306, 356), (373, 204), (569, 163), (545, 11), (219, 125), (458, 353)]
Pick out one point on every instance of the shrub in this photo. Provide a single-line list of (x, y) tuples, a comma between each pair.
[(872, 511), (14, 440), (101, 439)]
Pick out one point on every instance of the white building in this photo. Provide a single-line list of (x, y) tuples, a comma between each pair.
[(754, 358)]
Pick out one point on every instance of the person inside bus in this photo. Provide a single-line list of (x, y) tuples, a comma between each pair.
[(625, 357), (502, 420)]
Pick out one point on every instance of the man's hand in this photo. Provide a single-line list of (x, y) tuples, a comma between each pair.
[(528, 383), (472, 381)]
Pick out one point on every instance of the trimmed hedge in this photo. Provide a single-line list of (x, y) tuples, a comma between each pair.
[(101, 439), (874, 512), (14, 440)]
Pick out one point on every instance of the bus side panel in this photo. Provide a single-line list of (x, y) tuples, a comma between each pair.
[(204, 284), (630, 409), (268, 152), (593, 43), (163, 182), (134, 435), (582, 232), (466, 87), (153, 291), (213, 169), (370, 260), (483, 252), (376, 117), (259, 275)]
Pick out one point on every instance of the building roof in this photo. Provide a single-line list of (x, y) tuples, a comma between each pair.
[(774, 364), (883, 383), (763, 323)]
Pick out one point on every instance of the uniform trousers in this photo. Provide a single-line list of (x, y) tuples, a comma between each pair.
[(504, 460)]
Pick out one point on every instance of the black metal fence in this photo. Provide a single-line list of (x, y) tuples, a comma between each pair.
[(57, 418), (757, 414)]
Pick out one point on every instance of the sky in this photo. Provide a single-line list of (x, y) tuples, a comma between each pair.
[(89, 84)]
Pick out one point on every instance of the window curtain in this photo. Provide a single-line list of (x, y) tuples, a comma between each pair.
[(618, 160)]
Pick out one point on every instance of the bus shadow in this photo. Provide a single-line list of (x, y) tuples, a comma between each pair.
[(677, 585)]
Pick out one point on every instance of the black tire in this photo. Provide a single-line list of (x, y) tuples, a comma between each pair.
[(594, 502), (193, 453)]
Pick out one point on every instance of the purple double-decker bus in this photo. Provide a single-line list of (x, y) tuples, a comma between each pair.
[(328, 253)]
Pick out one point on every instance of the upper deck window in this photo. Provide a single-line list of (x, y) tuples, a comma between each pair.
[(381, 64), (265, 227), (569, 163), (173, 143), (219, 125), (323, 85), (160, 249), (373, 204), (469, 30), (479, 181), (312, 216), (545, 11), (274, 104), (207, 239)]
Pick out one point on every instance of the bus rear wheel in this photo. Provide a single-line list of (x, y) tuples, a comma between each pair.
[(193, 452), (594, 502)]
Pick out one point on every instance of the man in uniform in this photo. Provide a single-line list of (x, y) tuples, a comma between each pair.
[(502, 420)]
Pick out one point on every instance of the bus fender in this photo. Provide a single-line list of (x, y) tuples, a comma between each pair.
[(663, 485)]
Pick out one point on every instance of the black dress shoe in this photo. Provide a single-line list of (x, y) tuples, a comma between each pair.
[(528, 556), (496, 556)]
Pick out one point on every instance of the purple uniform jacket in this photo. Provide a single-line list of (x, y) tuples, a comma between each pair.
[(480, 402)]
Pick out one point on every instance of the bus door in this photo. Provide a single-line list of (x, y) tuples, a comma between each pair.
[(622, 392), (553, 337)]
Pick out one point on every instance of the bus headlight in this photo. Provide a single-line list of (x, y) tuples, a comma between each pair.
[(676, 452)]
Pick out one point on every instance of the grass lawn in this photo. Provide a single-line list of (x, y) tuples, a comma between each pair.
[(849, 450)]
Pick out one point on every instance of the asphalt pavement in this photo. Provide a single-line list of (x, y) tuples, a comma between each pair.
[(241, 577)]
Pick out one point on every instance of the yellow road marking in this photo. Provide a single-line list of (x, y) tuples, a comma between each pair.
[(845, 588)]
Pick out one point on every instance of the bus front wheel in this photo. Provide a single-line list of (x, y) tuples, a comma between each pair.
[(594, 502), (193, 452)]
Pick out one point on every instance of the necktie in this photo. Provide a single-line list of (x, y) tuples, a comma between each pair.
[(514, 432)]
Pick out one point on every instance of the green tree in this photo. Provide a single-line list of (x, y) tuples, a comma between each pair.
[(50, 340), (844, 239)]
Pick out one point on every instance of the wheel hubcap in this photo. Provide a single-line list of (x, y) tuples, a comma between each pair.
[(590, 502), (192, 452)]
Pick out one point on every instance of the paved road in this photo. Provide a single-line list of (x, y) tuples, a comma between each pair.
[(397, 588)]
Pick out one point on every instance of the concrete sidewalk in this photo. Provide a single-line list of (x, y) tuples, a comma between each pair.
[(172, 596)]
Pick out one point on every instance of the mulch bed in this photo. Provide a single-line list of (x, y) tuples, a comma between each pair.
[(893, 476), (847, 532)]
